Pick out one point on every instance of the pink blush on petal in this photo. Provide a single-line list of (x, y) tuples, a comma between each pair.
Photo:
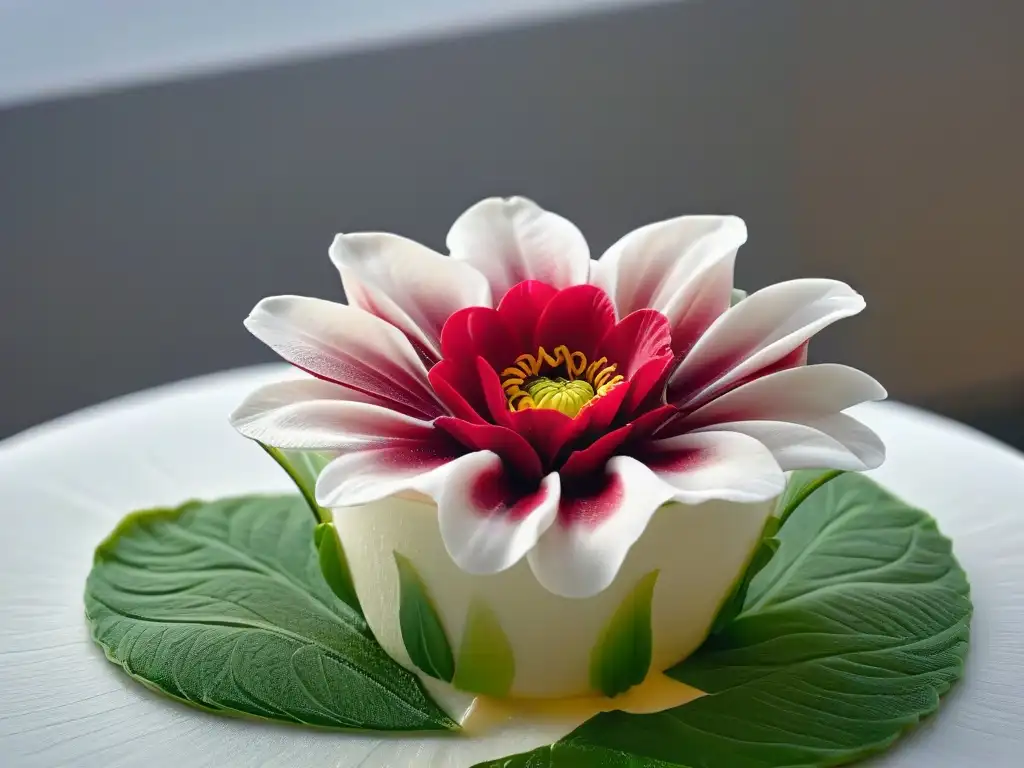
[(591, 503), (494, 493), (675, 462), (364, 299), (421, 456)]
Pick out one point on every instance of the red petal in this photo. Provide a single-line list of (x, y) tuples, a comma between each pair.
[(578, 317), (547, 430), (478, 331), (641, 346), (647, 387), (457, 386), (509, 445), (591, 460), (522, 307), (642, 336), (490, 389), (647, 424), (600, 412)]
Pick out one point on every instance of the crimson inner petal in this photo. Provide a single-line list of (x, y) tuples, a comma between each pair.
[(477, 331), (578, 318), (513, 449), (552, 338), (458, 387), (522, 307)]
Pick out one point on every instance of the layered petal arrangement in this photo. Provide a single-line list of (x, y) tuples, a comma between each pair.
[(548, 403)]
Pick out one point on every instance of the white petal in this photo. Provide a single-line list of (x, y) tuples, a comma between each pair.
[(348, 346), (512, 240), (412, 287), (682, 267), (309, 414), (369, 475), (486, 524), (798, 393), (715, 465), (760, 330), (830, 442), (582, 552)]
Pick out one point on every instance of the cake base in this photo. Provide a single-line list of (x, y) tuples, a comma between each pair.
[(698, 552)]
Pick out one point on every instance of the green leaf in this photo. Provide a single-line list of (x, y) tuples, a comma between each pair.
[(223, 606), (486, 662), (801, 485), (304, 467), (849, 636), (422, 631), (621, 657)]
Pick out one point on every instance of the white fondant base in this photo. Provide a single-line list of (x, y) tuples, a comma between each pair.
[(699, 552)]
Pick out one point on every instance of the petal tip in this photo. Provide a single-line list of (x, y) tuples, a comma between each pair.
[(840, 291), (338, 251), (265, 317), (874, 453), (737, 225)]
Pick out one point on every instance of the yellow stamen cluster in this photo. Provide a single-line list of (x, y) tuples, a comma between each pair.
[(571, 383)]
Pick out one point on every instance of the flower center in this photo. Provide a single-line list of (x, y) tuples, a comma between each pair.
[(563, 381), (569, 397)]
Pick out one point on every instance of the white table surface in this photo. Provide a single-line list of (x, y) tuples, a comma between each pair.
[(65, 484)]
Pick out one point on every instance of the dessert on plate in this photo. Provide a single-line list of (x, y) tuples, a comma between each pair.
[(538, 462)]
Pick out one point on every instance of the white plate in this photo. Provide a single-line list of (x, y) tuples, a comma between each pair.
[(64, 485)]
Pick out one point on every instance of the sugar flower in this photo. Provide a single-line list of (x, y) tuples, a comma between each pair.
[(549, 403)]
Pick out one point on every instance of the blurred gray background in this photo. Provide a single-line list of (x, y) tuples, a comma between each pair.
[(157, 178)]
